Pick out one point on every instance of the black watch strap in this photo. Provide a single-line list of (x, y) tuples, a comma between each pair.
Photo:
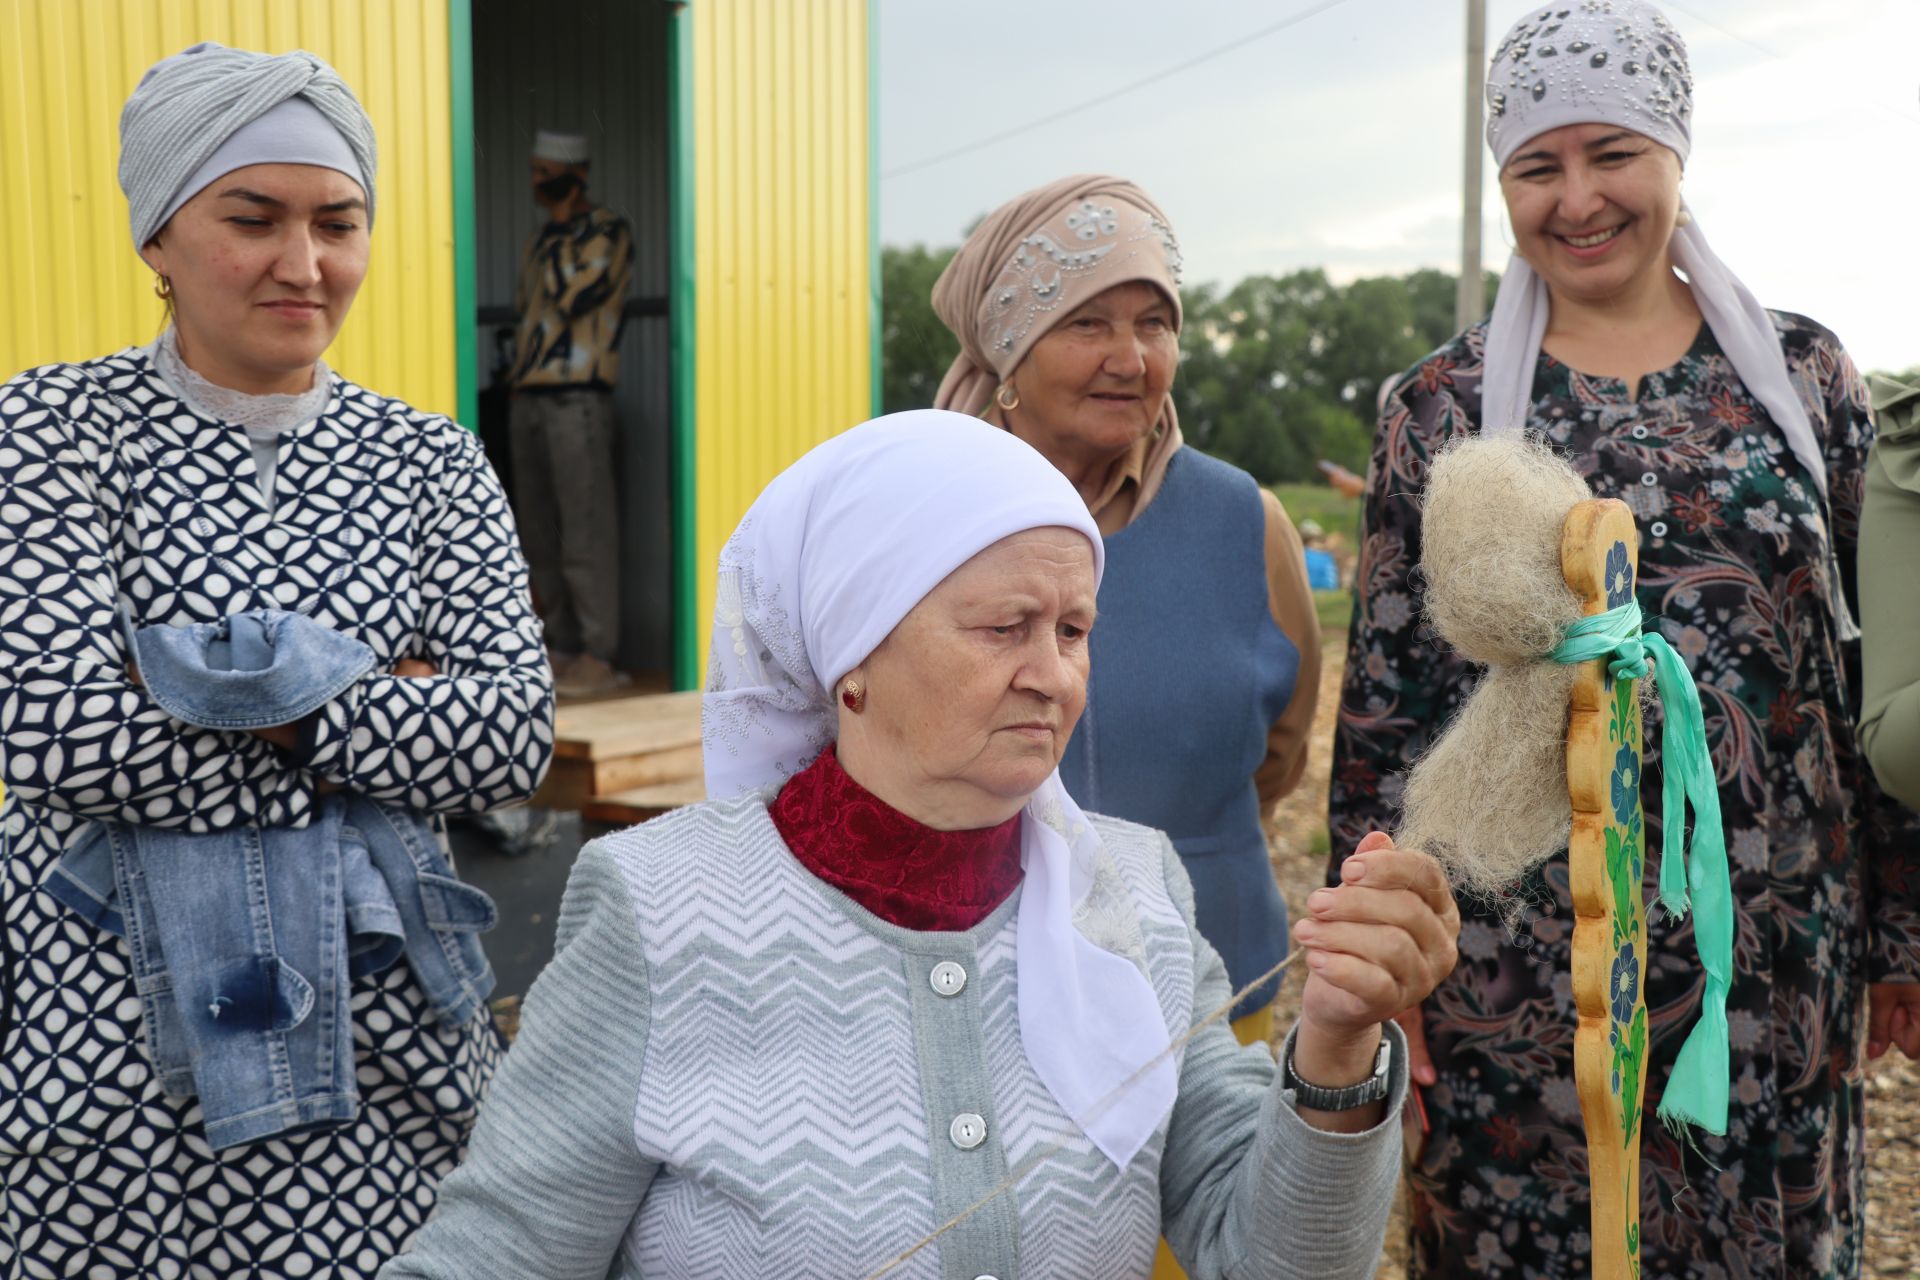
[(1346, 1098)]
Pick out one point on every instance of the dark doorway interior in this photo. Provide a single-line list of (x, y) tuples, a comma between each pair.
[(597, 67)]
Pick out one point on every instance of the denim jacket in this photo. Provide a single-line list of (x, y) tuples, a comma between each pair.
[(245, 942)]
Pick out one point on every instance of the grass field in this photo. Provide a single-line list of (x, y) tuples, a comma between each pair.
[(1334, 608), (1334, 512), (1340, 517)]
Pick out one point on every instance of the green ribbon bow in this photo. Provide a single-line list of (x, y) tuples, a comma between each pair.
[(1696, 1092)]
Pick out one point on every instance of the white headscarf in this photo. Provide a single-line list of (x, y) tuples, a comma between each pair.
[(1620, 62), (833, 554)]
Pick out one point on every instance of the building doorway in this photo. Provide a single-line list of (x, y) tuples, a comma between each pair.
[(598, 67)]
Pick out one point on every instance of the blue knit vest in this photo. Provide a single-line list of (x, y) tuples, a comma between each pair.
[(1189, 672)]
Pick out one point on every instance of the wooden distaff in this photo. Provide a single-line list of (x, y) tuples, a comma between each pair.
[(1606, 856)]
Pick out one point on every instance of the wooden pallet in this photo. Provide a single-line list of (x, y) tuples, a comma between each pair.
[(620, 744), (624, 808)]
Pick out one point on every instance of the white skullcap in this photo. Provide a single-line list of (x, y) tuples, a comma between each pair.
[(560, 147)]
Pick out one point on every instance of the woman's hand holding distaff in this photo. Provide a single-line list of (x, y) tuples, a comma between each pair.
[(1377, 943)]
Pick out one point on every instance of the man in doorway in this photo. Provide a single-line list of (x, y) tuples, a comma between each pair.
[(573, 283)]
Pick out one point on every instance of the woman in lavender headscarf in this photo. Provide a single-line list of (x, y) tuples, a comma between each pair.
[(1739, 437)]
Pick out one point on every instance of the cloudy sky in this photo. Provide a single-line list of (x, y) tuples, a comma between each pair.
[(1335, 141)]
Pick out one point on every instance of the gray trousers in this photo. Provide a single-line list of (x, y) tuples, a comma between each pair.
[(563, 464)]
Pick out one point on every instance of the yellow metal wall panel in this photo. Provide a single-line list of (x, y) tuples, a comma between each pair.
[(782, 262), (76, 288)]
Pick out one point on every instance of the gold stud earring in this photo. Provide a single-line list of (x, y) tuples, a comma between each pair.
[(852, 696)]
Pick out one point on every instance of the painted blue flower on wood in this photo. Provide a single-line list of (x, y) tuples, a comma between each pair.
[(1626, 784), (1619, 576), (1626, 983)]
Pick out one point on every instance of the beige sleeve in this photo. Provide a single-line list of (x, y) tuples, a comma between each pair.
[(1291, 603)]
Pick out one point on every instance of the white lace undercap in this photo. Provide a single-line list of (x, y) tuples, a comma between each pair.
[(261, 417), (264, 418)]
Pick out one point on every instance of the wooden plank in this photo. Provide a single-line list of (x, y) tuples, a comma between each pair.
[(626, 726), (589, 718), (641, 803), (570, 783), (1606, 855), (656, 768)]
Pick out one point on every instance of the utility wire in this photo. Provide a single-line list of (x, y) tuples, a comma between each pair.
[(1778, 56), (1230, 47)]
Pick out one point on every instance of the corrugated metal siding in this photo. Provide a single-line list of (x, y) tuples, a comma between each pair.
[(781, 245), (75, 287), (602, 72)]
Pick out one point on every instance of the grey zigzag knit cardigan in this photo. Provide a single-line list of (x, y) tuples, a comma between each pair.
[(730, 1070)]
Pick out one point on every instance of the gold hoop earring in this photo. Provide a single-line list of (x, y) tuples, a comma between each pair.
[(162, 288), (1000, 397)]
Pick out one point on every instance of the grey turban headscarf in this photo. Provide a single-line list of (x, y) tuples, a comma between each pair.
[(189, 107), (1622, 63)]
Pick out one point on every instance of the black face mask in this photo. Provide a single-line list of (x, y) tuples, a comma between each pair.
[(558, 188)]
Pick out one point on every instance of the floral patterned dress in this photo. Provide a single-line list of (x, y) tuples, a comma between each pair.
[(386, 524), (1826, 872)]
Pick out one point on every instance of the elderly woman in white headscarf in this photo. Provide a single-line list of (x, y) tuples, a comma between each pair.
[(221, 469), (890, 1003), (1739, 437)]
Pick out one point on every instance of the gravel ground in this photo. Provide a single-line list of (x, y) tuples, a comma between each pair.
[(1299, 854)]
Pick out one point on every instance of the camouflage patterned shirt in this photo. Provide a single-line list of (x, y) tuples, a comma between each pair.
[(573, 283)]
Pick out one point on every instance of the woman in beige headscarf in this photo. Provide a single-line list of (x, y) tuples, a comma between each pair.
[(1206, 661)]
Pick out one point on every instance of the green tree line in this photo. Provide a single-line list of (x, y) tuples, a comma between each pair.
[(1276, 372)]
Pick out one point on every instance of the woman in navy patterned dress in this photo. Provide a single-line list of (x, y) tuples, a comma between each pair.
[(1739, 438), (220, 469)]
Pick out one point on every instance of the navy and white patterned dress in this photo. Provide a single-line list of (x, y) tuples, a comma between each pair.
[(386, 524)]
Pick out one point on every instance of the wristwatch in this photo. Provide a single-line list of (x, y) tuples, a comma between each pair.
[(1372, 1089)]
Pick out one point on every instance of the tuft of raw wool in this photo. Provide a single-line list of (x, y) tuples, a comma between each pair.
[(1490, 548), (1489, 798)]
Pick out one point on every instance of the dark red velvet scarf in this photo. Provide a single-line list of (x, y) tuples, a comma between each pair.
[(904, 872)]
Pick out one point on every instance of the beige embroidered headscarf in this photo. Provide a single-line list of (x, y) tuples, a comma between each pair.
[(1031, 263)]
